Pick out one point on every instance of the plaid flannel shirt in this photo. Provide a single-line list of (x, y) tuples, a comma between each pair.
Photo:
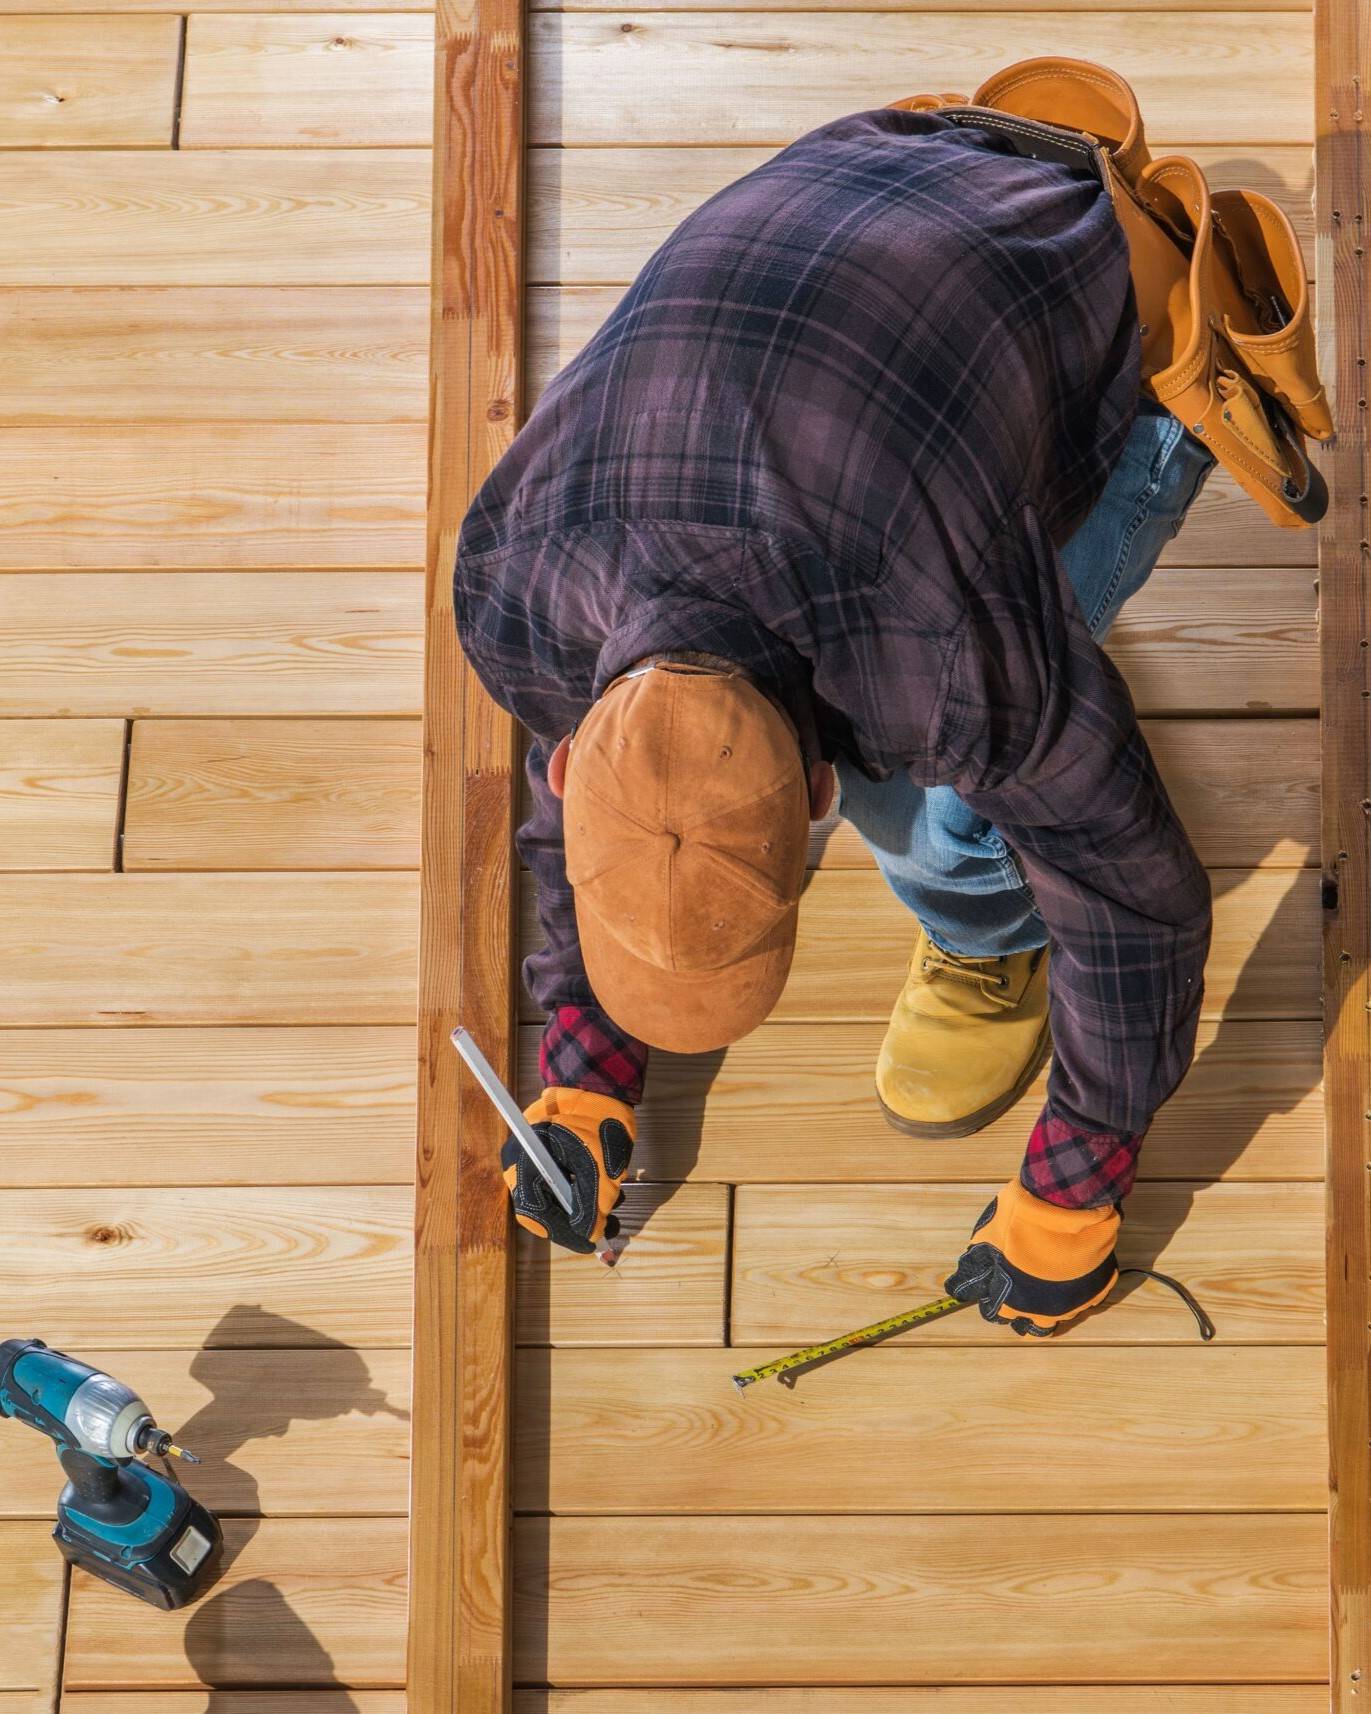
[(835, 432)]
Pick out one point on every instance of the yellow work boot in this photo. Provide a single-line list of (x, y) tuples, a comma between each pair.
[(966, 1038)]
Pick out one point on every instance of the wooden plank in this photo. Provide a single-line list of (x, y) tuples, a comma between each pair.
[(299, 1702), (318, 217), (1343, 163), (211, 642), (668, 1287), (596, 215), (1247, 791), (211, 495), (66, 86), (808, 1266), (948, 1699), (295, 1433), (854, 941), (919, 1600), (59, 793), (211, 949), (286, 80), (795, 1103), (32, 1582), (273, 794), (1221, 640), (207, 1106), (257, 354), (1182, 1430), (304, 1601), (746, 77), (240, 1267)]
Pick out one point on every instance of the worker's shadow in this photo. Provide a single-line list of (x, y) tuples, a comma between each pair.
[(251, 1620)]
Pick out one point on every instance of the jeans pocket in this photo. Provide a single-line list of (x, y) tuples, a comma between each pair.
[(1187, 470)]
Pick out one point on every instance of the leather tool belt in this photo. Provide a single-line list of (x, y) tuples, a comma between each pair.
[(1223, 304)]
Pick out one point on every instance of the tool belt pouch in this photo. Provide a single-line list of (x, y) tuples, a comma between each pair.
[(1223, 308)]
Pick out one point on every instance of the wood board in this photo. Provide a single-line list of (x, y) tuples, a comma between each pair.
[(59, 793), (63, 87)]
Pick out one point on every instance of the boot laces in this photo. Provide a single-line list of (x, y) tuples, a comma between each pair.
[(987, 974)]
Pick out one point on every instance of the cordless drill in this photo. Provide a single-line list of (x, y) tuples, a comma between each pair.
[(117, 1517)]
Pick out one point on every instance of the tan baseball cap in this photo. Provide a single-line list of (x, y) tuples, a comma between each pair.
[(686, 819)]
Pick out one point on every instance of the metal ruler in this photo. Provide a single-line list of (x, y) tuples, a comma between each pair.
[(784, 1367)]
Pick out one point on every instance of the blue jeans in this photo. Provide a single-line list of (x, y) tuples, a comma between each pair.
[(950, 867)]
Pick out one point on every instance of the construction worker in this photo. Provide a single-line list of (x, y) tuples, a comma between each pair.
[(851, 483)]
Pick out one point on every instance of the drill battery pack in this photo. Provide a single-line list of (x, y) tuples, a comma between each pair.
[(165, 1556)]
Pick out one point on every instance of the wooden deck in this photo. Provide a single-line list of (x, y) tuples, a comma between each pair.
[(214, 265)]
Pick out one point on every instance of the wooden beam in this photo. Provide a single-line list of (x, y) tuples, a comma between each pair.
[(459, 1646), (1343, 176)]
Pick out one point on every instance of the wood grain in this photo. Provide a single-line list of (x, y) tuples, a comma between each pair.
[(257, 354), (211, 643), (31, 1594), (211, 949), (240, 1267), (1020, 1699), (875, 1600), (309, 217), (854, 941), (59, 793), (667, 1288), (66, 86), (596, 215), (298, 1433), (273, 794), (304, 1601), (295, 1702), (243, 1105), (795, 1103), (1183, 1430), (743, 77), (211, 495), (807, 1267), (279, 80)]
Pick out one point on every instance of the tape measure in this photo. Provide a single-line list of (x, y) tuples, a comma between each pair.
[(878, 1330)]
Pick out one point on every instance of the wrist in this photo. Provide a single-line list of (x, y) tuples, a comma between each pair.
[(570, 1106)]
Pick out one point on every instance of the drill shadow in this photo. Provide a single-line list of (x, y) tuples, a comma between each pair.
[(251, 1619)]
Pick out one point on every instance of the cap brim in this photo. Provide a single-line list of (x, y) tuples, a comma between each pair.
[(687, 1012)]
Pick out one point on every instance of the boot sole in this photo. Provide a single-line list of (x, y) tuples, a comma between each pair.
[(952, 1128)]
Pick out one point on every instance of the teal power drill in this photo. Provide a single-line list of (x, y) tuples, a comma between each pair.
[(117, 1517)]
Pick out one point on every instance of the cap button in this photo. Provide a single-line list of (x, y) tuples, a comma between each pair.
[(670, 843)]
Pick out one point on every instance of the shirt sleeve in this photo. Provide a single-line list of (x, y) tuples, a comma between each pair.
[(582, 1046), (1049, 750)]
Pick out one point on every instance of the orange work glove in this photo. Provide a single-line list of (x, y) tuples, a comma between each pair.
[(1034, 1265), (591, 1138)]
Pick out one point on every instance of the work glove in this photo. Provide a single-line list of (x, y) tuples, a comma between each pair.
[(591, 1138), (1033, 1265)]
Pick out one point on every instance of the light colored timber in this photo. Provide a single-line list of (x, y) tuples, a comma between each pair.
[(235, 1267), (209, 949), (211, 642), (59, 793), (1018, 1699), (1185, 1430), (66, 86), (795, 1103), (306, 1601), (257, 354), (243, 1105), (281, 1433), (211, 495), (755, 77), (280, 80), (667, 1287), (596, 215), (274, 794), (263, 217), (854, 940), (807, 1267), (31, 1595), (919, 1599), (291, 1702)]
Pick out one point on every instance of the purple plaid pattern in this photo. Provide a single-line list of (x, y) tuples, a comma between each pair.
[(582, 1048), (1076, 1168), (835, 432)]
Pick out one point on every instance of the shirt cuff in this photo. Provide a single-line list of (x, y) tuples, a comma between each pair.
[(583, 1048), (1078, 1168)]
